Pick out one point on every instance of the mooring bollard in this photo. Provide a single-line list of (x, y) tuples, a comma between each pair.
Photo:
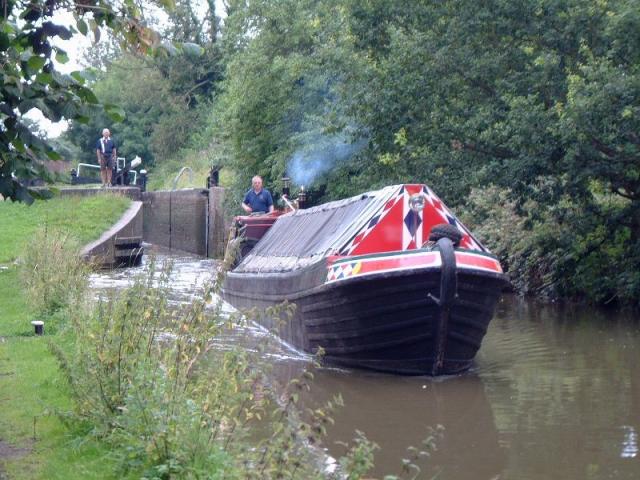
[(39, 326)]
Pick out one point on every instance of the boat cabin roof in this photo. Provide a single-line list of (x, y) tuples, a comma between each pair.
[(373, 222)]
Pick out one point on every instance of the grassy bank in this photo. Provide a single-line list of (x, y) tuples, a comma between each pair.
[(132, 386), (83, 218), (163, 175), (31, 387)]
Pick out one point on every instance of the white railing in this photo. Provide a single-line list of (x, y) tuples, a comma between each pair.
[(90, 166), (182, 170)]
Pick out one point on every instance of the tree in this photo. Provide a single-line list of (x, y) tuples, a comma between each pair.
[(167, 95), (30, 80), (539, 98), (278, 84)]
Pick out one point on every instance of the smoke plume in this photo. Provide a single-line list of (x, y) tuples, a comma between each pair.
[(320, 156)]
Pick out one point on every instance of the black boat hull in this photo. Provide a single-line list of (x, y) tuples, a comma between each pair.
[(389, 322)]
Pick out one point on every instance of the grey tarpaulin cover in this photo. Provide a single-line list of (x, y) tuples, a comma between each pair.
[(303, 237)]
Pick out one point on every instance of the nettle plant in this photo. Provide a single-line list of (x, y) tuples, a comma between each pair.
[(52, 274), (145, 378)]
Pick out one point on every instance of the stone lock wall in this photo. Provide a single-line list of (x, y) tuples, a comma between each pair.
[(120, 245), (218, 228), (189, 220)]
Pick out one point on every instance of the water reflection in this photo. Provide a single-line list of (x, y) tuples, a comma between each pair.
[(630, 442), (554, 394), (397, 412), (563, 384)]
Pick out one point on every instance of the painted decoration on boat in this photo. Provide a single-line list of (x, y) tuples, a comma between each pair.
[(341, 268), (382, 233)]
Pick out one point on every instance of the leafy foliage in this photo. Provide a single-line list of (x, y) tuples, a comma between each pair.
[(559, 251), (154, 124), (537, 98), (461, 97), (161, 120), (145, 378), (53, 276), (30, 79)]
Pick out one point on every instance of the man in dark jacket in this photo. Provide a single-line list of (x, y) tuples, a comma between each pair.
[(106, 152), (257, 198)]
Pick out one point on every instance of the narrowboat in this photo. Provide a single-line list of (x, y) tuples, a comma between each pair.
[(389, 280)]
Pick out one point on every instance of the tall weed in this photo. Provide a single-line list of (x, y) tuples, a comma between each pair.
[(140, 382), (52, 273)]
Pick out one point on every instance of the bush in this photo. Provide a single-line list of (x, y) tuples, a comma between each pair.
[(52, 273), (139, 382), (527, 247), (559, 251)]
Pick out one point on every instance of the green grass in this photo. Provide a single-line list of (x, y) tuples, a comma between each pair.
[(163, 175), (84, 218), (31, 387)]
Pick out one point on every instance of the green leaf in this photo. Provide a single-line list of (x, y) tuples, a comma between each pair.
[(62, 80), (53, 155), (36, 63), (192, 49), (8, 27), (45, 78), (78, 77), (4, 41), (18, 145), (115, 113), (27, 105), (70, 110), (90, 74), (62, 57), (168, 4), (87, 95), (82, 26), (13, 91)]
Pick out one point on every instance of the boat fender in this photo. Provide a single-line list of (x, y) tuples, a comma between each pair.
[(448, 276), (448, 294), (445, 230)]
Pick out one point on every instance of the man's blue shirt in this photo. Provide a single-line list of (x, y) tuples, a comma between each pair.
[(109, 145), (259, 202)]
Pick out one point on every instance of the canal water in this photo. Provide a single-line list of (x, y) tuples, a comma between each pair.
[(554, 393)]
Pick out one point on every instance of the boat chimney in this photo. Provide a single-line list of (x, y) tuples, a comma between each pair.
[(302, 197), (286, 183)]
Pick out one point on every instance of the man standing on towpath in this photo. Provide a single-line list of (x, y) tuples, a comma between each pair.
[(257, 198), (106, 151)]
